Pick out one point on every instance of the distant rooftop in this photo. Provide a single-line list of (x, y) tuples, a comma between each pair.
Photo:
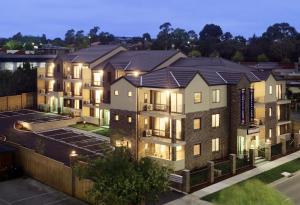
[(25, 58), (91, 54)]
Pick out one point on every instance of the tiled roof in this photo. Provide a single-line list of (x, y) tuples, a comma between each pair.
[(143, 61), (215, 71), (91, 54)]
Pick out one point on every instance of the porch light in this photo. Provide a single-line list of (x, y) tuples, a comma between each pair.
[(73, 153), (268, 141), (136, 73)]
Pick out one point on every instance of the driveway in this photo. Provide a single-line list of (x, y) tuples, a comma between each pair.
[(291, 188), (30, 192)]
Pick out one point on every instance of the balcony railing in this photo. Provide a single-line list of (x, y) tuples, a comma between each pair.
[(153, 132), (163, 108)]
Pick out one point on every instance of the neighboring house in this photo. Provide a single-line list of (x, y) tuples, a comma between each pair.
[(13, 61), (197, 110)]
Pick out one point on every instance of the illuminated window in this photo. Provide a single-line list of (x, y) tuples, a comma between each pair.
[(197, 97), (146, 98), (129, 118), (216, 144), (270, 112), (116, 92), (116, 117), (146, 121), (215, 120), (197, 149), (129, 94), (270, 89), (216, 96), (123, 143), (197, 124), (279, 92), (270, 133)]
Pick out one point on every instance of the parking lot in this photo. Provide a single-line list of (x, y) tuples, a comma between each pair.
[(30, 192), (88, 142), (23, 112), (50, 118)]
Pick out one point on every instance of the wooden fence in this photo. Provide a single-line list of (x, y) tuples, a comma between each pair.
[(51, 172), (16, 102)]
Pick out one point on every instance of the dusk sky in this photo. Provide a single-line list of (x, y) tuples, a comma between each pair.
[(135, 17)]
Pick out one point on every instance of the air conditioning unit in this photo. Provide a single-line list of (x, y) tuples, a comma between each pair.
[(149, 107), (42, 91)]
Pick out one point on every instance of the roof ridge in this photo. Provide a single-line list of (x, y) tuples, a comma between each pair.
[(225, 81), (174, 78)]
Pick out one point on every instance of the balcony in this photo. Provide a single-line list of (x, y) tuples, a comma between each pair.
[(286, 136), (175, 165), (259, 122), (156, 133), (162, 110), (156, 107), (93, 85), (283, 100)]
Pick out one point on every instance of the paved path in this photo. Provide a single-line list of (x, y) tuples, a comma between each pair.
[(194, 197), (290, 187)]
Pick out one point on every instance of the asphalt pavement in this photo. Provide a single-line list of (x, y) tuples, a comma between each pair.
[(291, 188)]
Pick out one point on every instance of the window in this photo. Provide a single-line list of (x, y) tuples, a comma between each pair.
[(270, 112), (216, 96), (129, 118), (145, 97), (197, 124), (97, 78), (215, 120), (77, 72), (216, 144), (197, 149), (77, 104), (270, 133), (116, 117), (279, 92), (197, 98), (146, 121), (116, 92), (129, 94), (270, 89)]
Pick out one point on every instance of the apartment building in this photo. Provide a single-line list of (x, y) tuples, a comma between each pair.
[(87, 74), (197, 110)]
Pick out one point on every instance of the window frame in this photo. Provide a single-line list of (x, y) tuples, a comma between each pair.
[(215, 144), (200, 97), (116, 92), (199, 149), (194, 120), (216, 96), (215, 120)]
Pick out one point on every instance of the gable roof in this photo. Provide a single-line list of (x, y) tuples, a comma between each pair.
[(91, 54)]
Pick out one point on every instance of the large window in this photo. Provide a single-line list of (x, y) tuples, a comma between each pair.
[(77, 104), (197, 124), (216, 96), (270, 89), (97, 78), (279, 92), (160, 126), (77, 89), (197, 97), (216, 144), (98, 96), (215, 120), (197, 149), (176, 102), (77, 72)]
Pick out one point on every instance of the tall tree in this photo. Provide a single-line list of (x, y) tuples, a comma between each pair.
[(163, 40), (93, 34), (70, 37), (280, 31)]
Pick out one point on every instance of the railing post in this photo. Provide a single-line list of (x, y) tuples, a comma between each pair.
[(283, 146), (252, 156), (268, 150), (186, 181), (233, 163), (211, 171)]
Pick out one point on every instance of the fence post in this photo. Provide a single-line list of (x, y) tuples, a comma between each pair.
[(233, 163), (252, 156), (297, 140), (186, 182), (73, 158), (211, 171), (283, 146), (268, 150)]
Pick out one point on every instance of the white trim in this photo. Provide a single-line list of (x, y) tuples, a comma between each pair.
[(221, 77), (174, 78)]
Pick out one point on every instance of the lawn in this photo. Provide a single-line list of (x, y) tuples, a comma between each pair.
[(265, 177), (85, 127), (103, 131)]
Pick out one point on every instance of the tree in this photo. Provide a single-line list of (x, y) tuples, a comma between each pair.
[(93, 34), (262, 58), (121, 180), (194, 54), (179, 38), (211, 31), (13, 45), (163, 40), (70, 37), (238, 57), (280, 31), (249, 193)]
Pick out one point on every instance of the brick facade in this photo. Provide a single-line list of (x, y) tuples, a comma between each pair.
[(204, 137)]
